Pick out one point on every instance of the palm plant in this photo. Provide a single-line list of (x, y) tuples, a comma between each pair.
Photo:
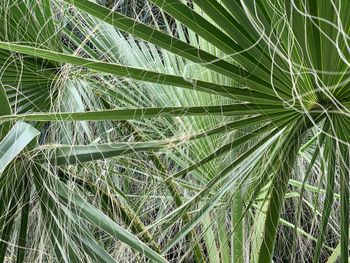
[(184, 139)]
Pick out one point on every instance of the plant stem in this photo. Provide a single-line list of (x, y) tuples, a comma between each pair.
[(237, 242), (279, 186)]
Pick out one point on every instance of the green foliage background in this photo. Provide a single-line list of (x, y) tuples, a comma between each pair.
[(174, 131)]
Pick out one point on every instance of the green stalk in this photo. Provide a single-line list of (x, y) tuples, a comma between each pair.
[(223, 238), (22, 237), (209, 240), (344, 159), (322, 137), (237, 222), (328, 200), (289, 152), (344, 204)]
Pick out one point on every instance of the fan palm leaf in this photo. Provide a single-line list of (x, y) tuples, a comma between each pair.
[(223, 110)]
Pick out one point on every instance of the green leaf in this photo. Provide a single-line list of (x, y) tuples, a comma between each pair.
[(227, 185), (202, 27), (97, 218), (66, 154), (243, 94), (278, 187), (5, 108), (328, 200), (7, 222), (341, 129), (15, 141), (173, 44), (142, 113), (23, 231)]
